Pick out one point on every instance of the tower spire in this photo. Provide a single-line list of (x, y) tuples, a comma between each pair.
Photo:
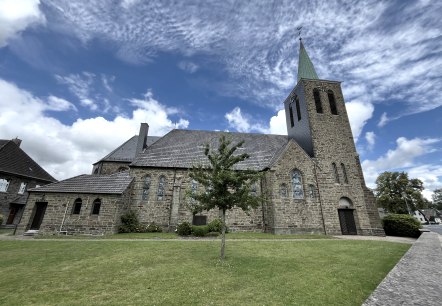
[(306, 70)]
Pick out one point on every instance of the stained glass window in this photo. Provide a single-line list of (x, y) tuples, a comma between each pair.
[(146, 187), (298, 191), (161, 186)]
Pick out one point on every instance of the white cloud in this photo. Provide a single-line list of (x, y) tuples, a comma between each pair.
[(241, 122), (403, 158), (187, 66), (384, 120), (358, 114), (16, 16), (278, 124), (67, 150), (370, 137)]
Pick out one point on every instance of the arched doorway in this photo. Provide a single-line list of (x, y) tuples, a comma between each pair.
[(346, 217)]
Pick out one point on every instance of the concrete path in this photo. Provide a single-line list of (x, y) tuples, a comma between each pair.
[(416, 279)]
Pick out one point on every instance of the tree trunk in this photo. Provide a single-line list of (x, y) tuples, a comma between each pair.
[(223, 236)]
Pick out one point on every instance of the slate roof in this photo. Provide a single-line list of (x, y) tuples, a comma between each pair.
[(126, 152), (105, 184), (185, 148), (14, 160)]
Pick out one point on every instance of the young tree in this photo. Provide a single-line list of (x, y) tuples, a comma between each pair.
[(437, 198), (224, 186), (398, 194)]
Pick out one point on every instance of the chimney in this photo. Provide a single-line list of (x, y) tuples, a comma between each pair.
[(17, 141), (142, 138)]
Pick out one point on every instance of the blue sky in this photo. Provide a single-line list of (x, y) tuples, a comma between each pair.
[(78, 77)]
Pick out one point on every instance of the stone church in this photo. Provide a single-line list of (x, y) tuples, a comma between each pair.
[(312, 178)]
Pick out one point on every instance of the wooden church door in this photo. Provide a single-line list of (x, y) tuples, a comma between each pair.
[(347, 221)]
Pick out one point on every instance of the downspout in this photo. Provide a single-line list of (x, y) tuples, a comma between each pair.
[(64, 217), (264, 201), (171, 202), (319, 197)]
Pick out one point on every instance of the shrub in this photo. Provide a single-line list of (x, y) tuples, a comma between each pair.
[(200, 230), (215, 225), (184, 229), (129, 222), (401, 225), (153, 228)]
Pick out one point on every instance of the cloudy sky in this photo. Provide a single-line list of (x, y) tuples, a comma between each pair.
[(78, 77)]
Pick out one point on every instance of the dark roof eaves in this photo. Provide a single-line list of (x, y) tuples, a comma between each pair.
[(29, 176)]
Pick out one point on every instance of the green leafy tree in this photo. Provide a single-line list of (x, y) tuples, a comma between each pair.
[(437, 199), (224, 187), (398, 194)]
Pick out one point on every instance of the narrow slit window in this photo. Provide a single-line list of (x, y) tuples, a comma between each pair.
[(283, 191), (311, 191), (298, 109), (344, 173), (292, 122), (318, 103), (332, 101), (335, 170)]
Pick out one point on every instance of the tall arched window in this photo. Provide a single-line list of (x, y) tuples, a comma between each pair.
[(298, 190), (344, 173), (161, 186), (283, 191), (318, 102), (292, 122), (96, 205), (335, 171), (298, 108), (332, 101), (77, 207), (311, 191), (146, 187)]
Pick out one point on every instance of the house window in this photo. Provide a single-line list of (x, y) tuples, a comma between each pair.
[(298, 191), (311, 191), (335, 171), (4, 184), (77, 207), (344, 173), (146, 187), (292, 122), (96, 205), (332, 101), (283, 191), (298, 108), (161, 183), (317, 98), (22, 188)]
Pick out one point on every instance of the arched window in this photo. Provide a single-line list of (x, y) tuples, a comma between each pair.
[(161, 186), (96, 205), (344, 173), (335, 171), (332, 101), (292, 122), (77, 207), (4, 184), (146, 187), (283, 191), (298, 108), (298, 190), (318, 102)]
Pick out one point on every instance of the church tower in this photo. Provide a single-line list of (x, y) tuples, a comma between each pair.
[(317, 120)]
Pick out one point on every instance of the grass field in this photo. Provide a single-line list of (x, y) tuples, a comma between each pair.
[(99, 272)]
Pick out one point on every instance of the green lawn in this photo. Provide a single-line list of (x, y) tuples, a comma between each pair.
[(99, 272)]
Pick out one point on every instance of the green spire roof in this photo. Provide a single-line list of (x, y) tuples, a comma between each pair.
[(305, 66)]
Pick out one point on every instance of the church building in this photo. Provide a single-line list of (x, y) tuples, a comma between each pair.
[(312, 178)]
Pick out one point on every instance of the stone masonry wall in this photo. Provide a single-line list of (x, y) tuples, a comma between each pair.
[(172, 209), (59, 218), (285, 214)]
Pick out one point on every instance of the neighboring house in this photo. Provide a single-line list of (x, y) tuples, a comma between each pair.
[(18, 173), (312, 178), (420, 216)]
